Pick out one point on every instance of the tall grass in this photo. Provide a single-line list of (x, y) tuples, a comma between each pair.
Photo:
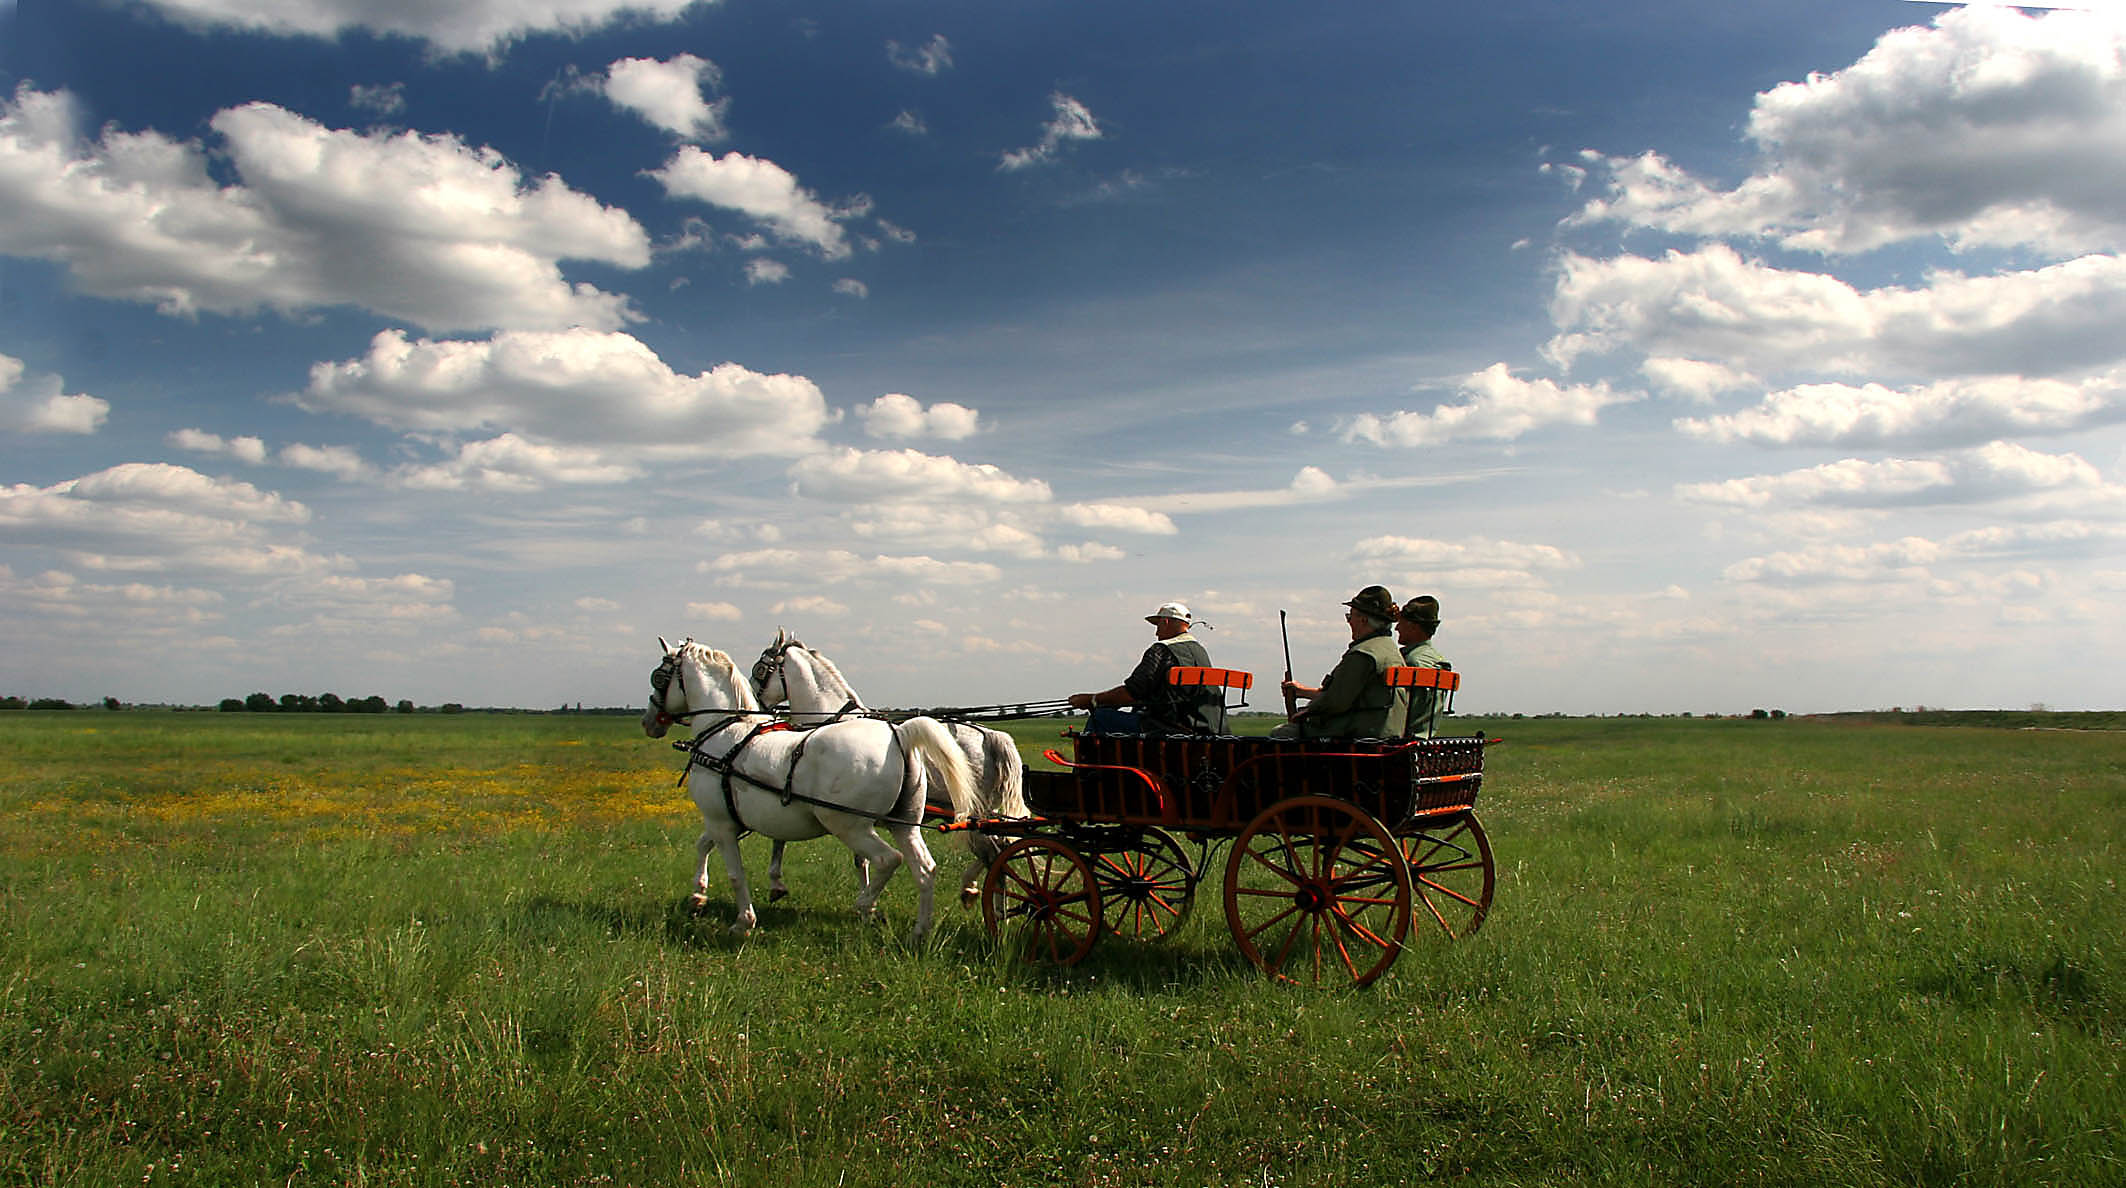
[(251, 950)]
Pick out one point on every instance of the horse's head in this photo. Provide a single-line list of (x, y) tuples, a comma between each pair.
[(768, 680), (691, 680), (667, 691)]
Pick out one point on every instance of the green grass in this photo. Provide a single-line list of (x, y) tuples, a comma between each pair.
[(241, 949)]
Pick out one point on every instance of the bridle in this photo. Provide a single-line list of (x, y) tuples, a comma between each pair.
[(771, 662), (661, 679), (775, 662), (672, 671)]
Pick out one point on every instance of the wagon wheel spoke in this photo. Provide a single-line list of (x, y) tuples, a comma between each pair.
[(1043, 888), (1146, 888), (1343, 953), (1356, 928), (1267, 924), (1325, 856), (1286, 870), (1452, 874), (1338, 901)]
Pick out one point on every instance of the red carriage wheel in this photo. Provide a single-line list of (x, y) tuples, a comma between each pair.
[(1451, 874), (1042, 889), (1317, 892), (1145, 890)]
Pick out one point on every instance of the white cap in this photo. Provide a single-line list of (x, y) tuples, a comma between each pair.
[(1171, 610)]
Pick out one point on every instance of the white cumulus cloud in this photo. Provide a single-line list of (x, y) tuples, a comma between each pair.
[(2000, 470), (1499, 406), (140, 517), (762, 191), (929, 59), (582, 388), (1746, 316), (801, 568), (1072, 121), (423, 228), (199, 441), (860, 476), (903, 417), (1117, 517), (1947, 413), (670, 94), (41, 405), (1989, 128), (459, 26), (511, 463)]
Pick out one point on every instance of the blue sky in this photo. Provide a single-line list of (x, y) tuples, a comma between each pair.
[(1696, 357)]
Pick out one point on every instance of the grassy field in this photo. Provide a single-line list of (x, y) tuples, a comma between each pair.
[(263, 949)]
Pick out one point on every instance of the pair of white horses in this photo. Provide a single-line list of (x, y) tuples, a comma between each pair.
[(748, 771)]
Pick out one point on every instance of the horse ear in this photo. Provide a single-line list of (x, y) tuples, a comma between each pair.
[(667, 647)]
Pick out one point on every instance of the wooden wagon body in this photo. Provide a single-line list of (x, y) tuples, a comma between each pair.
[(1340, 849)]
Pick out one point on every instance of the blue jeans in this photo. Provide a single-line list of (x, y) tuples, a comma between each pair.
[(1113, 719)]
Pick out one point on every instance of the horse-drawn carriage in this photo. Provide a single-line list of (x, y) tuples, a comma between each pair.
[(1340, 849)]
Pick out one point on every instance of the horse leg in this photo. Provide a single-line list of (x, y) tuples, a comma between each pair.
[(876, 856), (699, 900), (984, 849), (734, 865), (921, 865), (776, 890)]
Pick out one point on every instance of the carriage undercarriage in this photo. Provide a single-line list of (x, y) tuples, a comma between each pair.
[(1341, 853)]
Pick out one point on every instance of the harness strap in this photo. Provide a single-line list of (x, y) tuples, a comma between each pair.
[(726, 766)]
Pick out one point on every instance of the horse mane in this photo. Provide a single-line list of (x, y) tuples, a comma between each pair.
[(713, 659), (827, 669)]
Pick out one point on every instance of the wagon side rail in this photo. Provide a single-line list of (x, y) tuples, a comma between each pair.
[(1169, 814), (1437, 794)]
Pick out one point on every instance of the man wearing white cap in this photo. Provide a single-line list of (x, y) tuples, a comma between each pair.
[(1144, 703)]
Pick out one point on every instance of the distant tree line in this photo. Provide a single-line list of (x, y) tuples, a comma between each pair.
[(322, 703), (47, 703)]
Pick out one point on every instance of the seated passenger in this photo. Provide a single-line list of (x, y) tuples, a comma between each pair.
[(1414, 628), (1144, 703), (1354, 700)]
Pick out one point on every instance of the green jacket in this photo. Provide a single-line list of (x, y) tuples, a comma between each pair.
[(1355, 700), (1424, 703)]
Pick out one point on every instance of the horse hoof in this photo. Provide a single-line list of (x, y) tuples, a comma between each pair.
[(969, 897), (777, 893), (697, 904)]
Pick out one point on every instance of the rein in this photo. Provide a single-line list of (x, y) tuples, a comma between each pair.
[(1008, 711), (726, 767), (776, 658)]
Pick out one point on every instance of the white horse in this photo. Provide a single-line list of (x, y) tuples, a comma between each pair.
[(747, 771), (815, 689)]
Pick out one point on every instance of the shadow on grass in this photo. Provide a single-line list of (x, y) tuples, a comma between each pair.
[(674, 922), (2059, 988)]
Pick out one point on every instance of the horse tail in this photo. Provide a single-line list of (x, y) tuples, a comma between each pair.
[(1007, 774), (929, 738)]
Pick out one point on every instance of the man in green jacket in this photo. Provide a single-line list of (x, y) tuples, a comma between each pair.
[(1354, 700), (1414, 629)]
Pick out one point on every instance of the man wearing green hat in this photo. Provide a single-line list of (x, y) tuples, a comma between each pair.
[(1414, 629), (1354, 700)]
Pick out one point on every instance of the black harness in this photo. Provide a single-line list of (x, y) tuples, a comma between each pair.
[(726, 764), (726, 768)]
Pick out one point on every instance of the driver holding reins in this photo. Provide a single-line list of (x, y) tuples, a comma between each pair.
[(1144, 703)]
